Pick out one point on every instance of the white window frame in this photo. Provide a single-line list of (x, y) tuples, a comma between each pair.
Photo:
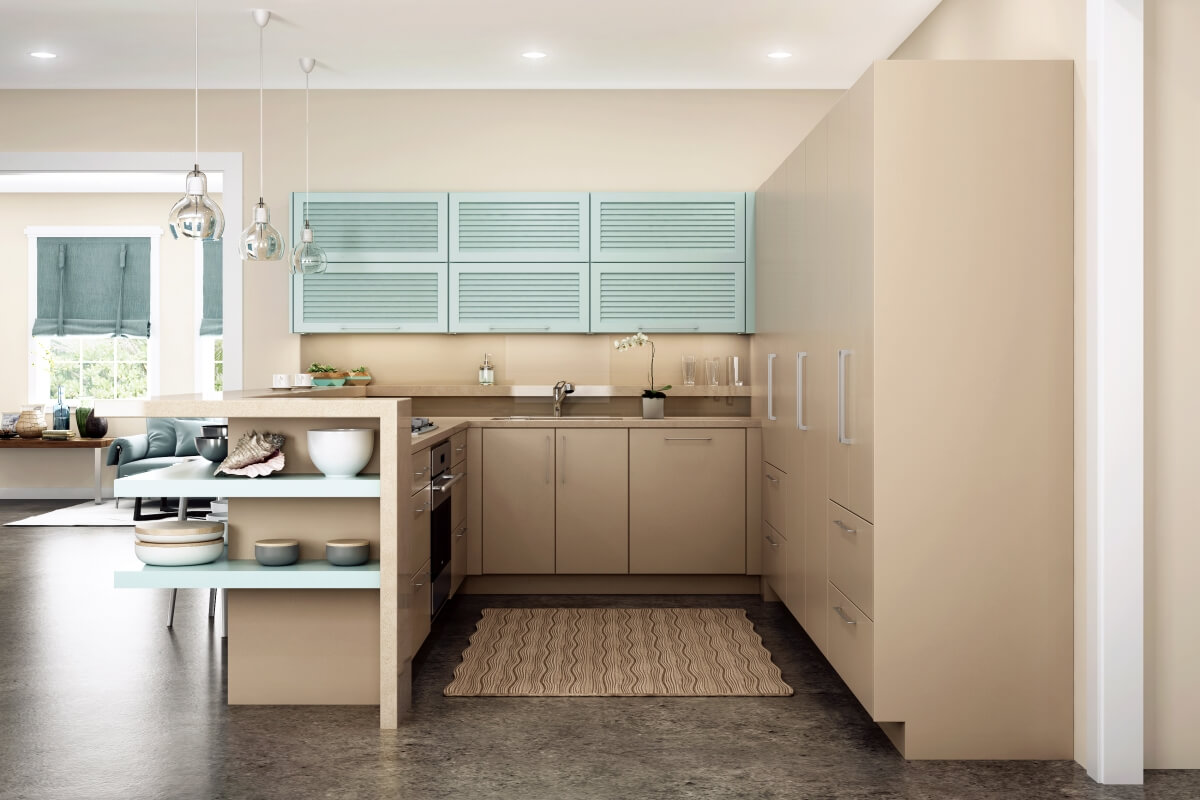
[(153, 351)]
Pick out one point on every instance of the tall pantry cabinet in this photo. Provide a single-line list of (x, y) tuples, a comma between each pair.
[(915, 322)]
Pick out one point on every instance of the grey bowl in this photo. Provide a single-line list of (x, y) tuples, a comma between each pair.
[(276, 552), (214, 448), (216, 431), (347, 552)]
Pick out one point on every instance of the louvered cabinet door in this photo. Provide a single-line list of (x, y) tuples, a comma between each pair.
[(519, 298), (371, 298), (519, 226), (669, 226), (357, 227), (669, 298)]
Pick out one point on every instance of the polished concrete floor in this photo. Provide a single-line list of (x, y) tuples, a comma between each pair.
[(99, 700)]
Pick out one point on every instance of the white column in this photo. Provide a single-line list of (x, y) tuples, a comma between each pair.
[(1114, 577)]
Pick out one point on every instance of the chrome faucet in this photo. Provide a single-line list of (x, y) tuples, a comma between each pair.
[(561, 390)]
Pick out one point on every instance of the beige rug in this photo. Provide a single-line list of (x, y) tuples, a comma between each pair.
[(616, 652)]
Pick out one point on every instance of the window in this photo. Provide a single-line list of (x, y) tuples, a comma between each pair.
[(92, 366), (212, 364)]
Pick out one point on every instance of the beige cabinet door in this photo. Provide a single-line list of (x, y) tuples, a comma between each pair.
[(852, 647), (458, 558), (420, 608), (592, 502), (458, 523), (687, 501), (417, 552), (518, 501), (774, 558)]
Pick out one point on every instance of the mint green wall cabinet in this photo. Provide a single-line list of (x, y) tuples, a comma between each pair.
[(688, 227), (669, 298), (519, 298), (492, 227), (364, 227), (371, 298)]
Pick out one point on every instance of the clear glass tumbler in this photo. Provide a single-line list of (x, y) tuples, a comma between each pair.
[(689, 370), (712, 371)]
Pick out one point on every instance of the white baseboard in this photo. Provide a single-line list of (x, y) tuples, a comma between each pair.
[(37, 493)]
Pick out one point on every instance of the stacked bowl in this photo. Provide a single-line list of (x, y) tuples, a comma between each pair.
[(214, 444), (178, 543)]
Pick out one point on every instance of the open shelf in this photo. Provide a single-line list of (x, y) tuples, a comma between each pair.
[(246, 573), (196, 479)]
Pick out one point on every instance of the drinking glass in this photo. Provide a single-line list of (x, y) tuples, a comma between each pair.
[(712, 371), (733, 372), (689, 370)]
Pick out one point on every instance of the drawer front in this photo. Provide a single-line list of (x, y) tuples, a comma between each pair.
[(774, 561), (420, 470), (852, 557), (458, 559), (418, 545), (852, 647), (458, 448), (458, 499), (774, 488), (420, 610)]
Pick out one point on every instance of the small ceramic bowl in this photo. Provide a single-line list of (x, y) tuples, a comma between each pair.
[(181, 554), (216, 431), (276, 552), (347, 552), (214, 448)]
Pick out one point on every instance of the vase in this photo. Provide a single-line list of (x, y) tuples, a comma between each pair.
[(31, 423), (652, 408), (94, 427)]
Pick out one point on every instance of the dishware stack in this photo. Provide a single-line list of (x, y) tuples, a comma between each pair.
[(178, 543), (214, 444), (56, 435)]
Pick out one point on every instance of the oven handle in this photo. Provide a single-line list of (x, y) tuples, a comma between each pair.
[(448, 482)]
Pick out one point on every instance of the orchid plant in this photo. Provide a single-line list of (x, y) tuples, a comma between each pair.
[(640, 339)]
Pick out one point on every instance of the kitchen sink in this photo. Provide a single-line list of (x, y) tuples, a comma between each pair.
[(536, 417)]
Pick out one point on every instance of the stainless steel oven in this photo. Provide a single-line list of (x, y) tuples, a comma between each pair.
[(441, 535)]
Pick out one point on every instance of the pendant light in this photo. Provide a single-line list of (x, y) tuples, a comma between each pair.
[(261, 241), (196, 216), (308, 258)]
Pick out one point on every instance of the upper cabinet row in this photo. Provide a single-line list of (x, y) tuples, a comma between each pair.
[(532, 262)]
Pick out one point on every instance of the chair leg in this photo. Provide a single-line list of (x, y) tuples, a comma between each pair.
[(171, 609), (116, 502), (212, 603)]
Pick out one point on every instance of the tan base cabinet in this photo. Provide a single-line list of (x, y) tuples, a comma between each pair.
[(687, 501), (592, 502), (518, 501), (420, 598)]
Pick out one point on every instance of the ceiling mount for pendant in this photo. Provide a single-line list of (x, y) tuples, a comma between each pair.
[(260, 240)]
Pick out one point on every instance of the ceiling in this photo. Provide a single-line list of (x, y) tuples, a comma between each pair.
[(376, 44)]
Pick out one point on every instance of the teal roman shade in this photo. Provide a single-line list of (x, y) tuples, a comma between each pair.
[(93, 286), (210, 323)]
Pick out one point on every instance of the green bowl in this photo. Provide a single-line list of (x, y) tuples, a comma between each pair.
[(329, 381)]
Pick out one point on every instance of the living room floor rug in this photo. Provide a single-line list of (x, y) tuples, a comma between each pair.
[(89, 514), (616, 652)]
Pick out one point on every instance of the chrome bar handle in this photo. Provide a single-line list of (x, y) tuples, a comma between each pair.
[(842, 355), (842, 614), (562, 468), (671, 330), (800, 358), (687, 438), (771, 387), (369, 328), (518, 329), (772, 542), (772, 478), (450, 481), (549, 457), (843, 526)]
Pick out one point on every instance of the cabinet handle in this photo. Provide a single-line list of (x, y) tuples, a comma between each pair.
[(420, 472), (422, 507), (671, 330), (771, 387), (842, 614), (549, 457), (687, 438), (842, 525), (461, 534), (562, 468), (772, 478), (516, 328), (460, 448), (842, 355), (772, 542), (800, 359), (418, 585), (371, 328), (448, 482)]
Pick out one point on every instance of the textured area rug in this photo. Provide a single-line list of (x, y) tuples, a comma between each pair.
[(616, 652), (104, 515)]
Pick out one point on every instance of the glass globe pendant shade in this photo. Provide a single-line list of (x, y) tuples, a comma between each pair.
[(196, 216), (308, 258), (260, 240)]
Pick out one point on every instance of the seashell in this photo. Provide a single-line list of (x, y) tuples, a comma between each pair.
[(252, 448), (258, 470)]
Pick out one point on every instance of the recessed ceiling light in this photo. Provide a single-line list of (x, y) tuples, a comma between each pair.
[(779, 55), (534, 54), (43, 54)]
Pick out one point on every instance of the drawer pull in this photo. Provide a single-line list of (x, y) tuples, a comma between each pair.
[(418, 585), (460, 448), (842, 525), (461, 533), (687, 438), (772, 478), (842, 614), (422, 507), (771, 541), (420, 472)]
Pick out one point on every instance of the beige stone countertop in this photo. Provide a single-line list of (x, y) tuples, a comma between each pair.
[(318, 402), (544, 390)]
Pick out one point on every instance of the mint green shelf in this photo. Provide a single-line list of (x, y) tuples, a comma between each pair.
[(195, 479), (246, 573)]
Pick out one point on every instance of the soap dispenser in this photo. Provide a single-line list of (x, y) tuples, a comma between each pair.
[(487, 372)]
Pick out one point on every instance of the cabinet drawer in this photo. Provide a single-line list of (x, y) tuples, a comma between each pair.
[(852, 557), (775, 490), (458, 448), (774, 560), (852, 647), (458, 500), (458, 559), (418, 545), (420, 610), (420, 470)]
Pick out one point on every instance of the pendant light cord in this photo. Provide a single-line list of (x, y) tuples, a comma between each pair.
[(306, 194), (260, 113), (196, 95)]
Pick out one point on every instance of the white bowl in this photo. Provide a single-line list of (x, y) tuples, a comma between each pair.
[(179, 555), (341, 452)]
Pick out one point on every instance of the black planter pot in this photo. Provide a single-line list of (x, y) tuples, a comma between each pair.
[(94, 427)]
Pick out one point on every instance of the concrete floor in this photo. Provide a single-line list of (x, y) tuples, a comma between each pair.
[(99, 700)]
